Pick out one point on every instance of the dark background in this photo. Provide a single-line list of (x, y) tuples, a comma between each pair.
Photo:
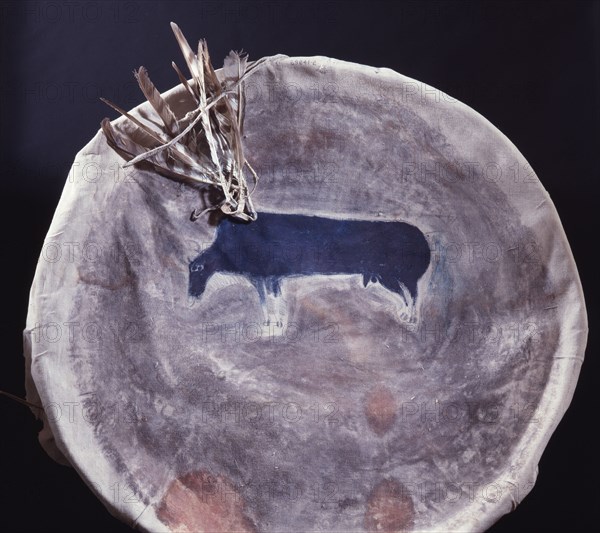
[(531, 68)]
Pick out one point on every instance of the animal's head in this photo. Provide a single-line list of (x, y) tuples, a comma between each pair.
[(201, 269)]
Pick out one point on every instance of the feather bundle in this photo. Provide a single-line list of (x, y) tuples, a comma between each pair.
[(204, 146)]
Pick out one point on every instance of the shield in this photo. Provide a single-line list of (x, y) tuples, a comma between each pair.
[(387, 347)]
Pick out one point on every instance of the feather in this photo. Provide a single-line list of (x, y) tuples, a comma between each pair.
[(184, 82), (127, 148), (143, 132), (157, 101), (203, 147), (138, 123), (188, 54), (234, 68)]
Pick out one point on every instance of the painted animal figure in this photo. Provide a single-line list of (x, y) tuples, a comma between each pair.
[(277, 246)]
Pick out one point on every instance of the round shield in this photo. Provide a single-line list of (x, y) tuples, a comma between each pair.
[(388, 346)]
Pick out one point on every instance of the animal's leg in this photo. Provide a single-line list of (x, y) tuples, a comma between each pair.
[(275, 315), (370, 277), (405, 306), (281, 307), (273, 285), (261, 288), (268, 289)]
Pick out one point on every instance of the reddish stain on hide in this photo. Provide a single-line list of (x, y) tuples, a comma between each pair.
[(380, 410), (199, 501), (390, 508)]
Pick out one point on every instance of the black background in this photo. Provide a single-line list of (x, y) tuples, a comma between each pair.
[(531, 68)]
